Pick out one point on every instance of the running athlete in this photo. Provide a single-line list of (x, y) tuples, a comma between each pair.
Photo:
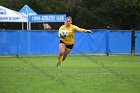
[(66, 43)]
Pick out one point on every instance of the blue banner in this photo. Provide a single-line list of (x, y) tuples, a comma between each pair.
[(48, 18), (38, 42), (46, 42), (119, 42), (8, 42), (137, 42), (90, 43)]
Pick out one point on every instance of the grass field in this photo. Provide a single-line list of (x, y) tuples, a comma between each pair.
[(78, 74)]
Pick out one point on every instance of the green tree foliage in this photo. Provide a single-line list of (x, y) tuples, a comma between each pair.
[(90, 14), (125, 14)]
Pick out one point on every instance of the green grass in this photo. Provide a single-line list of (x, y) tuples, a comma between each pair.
[(78, 74)]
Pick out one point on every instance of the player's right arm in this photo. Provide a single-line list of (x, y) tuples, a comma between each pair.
[(60, 29)]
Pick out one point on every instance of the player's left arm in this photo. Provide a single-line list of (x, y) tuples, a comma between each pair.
[(82, 30)]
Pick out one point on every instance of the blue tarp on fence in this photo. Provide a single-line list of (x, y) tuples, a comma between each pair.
[(8, 42), (46, 42), (119, 41), (38, 42), (137, 43), (90, 43)]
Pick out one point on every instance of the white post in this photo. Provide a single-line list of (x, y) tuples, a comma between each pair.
[(27, 26), (22, 26), (30, 25)]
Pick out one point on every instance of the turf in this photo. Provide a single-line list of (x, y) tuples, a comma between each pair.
[(78, 74)]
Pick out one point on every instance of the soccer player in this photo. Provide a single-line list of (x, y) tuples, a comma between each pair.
[(66, 43)]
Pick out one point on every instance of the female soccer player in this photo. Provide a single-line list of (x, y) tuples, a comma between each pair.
[(66, 43)]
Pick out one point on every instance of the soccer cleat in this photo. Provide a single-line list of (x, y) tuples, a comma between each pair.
[(58, 65)]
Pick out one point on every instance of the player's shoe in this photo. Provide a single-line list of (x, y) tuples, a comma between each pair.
[(58, 65)]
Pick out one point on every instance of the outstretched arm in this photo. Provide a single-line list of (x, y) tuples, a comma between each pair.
[(82, 30)]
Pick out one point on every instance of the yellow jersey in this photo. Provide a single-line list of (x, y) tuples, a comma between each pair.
[(69, 40)]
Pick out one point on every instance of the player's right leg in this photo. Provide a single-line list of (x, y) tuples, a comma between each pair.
[(67, 51), (62, 48)]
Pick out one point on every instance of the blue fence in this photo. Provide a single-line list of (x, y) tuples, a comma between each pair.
[(8, 42), (46, 42), (137, 43), (119, 42), (38, 42), (90, 43)]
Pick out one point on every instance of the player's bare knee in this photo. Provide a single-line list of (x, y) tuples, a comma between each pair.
[(64, 59), (62, 52)]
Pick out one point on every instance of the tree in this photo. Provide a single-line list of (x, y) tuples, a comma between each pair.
[(90, 14), (124, 14)]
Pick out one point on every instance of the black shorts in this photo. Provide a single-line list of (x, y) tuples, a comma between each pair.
[(67, 46)]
